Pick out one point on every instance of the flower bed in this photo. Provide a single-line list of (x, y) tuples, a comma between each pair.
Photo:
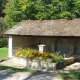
[(36, 60), (34, 54)]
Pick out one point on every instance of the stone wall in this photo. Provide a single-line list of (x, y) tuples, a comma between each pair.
[(68, 46), (65, 45)]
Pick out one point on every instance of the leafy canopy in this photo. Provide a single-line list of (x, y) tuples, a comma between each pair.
[(18, 10), (2, 4)]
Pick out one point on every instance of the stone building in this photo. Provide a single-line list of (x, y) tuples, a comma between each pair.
[(58, 35)]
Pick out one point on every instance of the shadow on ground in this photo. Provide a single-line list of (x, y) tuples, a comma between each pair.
[(39, 75), (8, 72), (2, 67), (5, 74)]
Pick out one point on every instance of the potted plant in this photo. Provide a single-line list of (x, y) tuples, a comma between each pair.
[(58, 59)]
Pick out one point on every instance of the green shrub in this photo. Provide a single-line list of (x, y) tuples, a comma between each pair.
[(32, 53), (3, 42), (58, 57), (27, 53)]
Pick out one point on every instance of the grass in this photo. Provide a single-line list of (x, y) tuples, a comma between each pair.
[(3, 56), (2, 67), (3, 53), (71, 75)]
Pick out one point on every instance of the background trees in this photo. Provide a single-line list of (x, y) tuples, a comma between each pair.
[(3, 26), (2, 6), (18, 10)]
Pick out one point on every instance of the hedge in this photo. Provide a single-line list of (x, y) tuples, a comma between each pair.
[(3, 42)]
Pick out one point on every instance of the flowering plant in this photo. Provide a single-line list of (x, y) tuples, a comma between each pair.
[(34, 54)]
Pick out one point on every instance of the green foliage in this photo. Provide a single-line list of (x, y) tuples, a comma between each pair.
[(27, 53), (3, 26), (32, 54), (18, 10), (3, 42), (2, 6), (76, 10), (57, 58), (69, 76)]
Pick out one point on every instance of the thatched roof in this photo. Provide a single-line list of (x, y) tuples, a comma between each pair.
[(59, 27)]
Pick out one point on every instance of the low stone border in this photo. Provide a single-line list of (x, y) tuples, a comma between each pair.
[(67, 69), (37, 64)]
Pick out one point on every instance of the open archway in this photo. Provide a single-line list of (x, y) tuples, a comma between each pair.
[(62, 45), (77, 47)]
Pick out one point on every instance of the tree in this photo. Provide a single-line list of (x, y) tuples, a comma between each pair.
[(59, 9), (18, 10), (2, 6), (3, 26), (76, 10)]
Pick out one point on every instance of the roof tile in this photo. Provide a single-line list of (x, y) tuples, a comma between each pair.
[(59, 27)]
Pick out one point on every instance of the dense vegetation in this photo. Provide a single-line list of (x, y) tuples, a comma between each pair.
[(34, 54), (3, 42), (18, 10), (2, 6), (3, 26)]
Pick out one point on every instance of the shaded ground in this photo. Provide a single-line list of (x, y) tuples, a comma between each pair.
[(7, 75)]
